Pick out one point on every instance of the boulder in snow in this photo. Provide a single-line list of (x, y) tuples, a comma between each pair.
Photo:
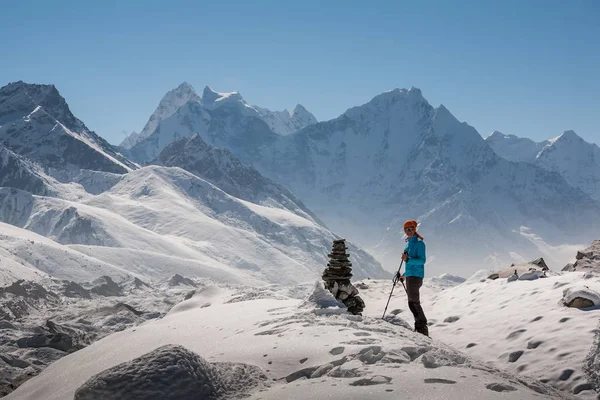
[(171, 372), (532, 275), (581, 298)]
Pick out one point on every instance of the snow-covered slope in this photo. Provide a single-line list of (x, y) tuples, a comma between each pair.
[(158, 221), (221, 168), (521, 326), (19, 173), (35, 122), (568, 154), (302, 351), (27, 255), (169, 104)]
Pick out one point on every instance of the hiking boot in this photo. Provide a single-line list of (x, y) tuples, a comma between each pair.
[(423, 330)]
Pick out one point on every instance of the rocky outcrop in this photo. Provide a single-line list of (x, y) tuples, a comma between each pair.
[(178, 280), (587, 260), (74, 289), (105, 286)]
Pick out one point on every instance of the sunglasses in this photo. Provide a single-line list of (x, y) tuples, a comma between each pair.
[(409, 229)]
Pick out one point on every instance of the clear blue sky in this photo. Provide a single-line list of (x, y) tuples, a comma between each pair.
[(530, 68)]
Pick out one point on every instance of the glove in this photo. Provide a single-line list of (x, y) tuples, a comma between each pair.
[(398, 277)]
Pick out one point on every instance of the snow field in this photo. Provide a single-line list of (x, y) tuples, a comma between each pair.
[(303, 355)]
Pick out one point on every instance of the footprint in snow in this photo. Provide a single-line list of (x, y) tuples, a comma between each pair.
[(451, 319), (336, 351), (362, 334), (375, 380), (516, 334), (500, 387), (362, 342), (515, 355), (439, 380)]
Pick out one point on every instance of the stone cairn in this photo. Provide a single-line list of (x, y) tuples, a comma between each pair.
[(337, 278)]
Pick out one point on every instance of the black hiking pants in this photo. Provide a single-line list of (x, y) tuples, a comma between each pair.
[(413, 284)]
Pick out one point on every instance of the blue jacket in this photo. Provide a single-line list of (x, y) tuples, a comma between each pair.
[(416, 257)]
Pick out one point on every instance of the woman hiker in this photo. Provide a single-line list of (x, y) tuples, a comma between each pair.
[(414, 262)]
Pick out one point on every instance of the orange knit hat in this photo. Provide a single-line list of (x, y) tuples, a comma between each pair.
[(414, 224)]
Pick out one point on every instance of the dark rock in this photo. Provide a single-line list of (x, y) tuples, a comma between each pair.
[(107, 287), (569, 267), (515, 355), (500, 387), (189, 295), (540, 263), (178, 280), (494, 276), (533, 344), (73, 289), (59, 341), (173, 372), (580, 302), (566, 374), (127, 307), (451, 319), (14, 362), (7, 325), (138, 283), (29, 290)]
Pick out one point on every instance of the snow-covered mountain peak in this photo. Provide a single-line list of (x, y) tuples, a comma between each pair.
[(169, 104), (397, 101), (497, 135), (36, 123), (413, 94), (567, 137), (211, 98), (20, 99)]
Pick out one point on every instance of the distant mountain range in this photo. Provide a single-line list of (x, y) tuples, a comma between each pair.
[(101, 214), (211, 106), (480, 202), (568, 154), (391, 159)]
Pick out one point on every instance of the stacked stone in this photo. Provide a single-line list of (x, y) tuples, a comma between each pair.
[(337, 278)]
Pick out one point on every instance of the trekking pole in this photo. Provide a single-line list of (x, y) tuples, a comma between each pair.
[(392, 291)]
